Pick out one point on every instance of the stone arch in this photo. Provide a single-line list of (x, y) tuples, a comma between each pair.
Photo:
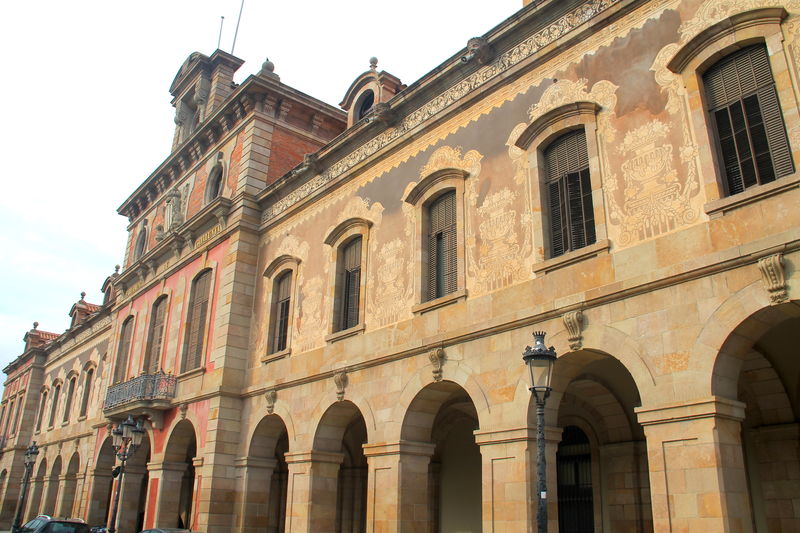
[(176, 502), (70, 486), (101, 482), (265, 477), (265, 436), (332, 425), (452, 371), (180, 438), (53, 481), (328, 400), (37, 490)]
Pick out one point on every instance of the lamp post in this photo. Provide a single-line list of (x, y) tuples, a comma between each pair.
[(125, 439), (540, 361), (30, 459)]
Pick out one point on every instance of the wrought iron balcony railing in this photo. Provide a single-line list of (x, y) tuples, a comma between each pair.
[(143, 388)]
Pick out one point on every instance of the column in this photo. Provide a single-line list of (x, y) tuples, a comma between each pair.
[(313, 484), (166, 480), (255, 475), (509, 477), (97, 506), (697, 471), (79, 504), (624, 487), (129, 498), (397, 486)]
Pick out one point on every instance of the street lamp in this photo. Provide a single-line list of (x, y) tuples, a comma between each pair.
[(540, 361), (29, 459), (125, 439)]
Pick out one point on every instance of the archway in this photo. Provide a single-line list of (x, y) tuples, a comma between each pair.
[(101, 484), (133, 495), (70, 486), (339, 492), (443, 415), (37, 490), (51, 494), (761, 355), (177, 504), (598, 476), (266, 478)]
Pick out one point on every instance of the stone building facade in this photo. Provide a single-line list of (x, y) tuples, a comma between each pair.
[(329, 306)]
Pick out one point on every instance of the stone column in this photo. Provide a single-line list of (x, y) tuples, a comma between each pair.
[(129, 496), (35, 497), (313, 487), (167, 477), (97, 506), (397, 486), (50, 495), (255, 476), (80, 504), (624, 487), (697, 471), (509, 477)]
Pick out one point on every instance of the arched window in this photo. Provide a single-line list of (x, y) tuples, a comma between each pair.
[(214, 184), (41, 411), (750, 133), (365, 104), (54, 406), (194, 341), (569, 191), (70, 395), (141, 243), (441, 244), (155, 337), (121, 369), (281, 308), (348, 286), (15, 422), (87, 391)]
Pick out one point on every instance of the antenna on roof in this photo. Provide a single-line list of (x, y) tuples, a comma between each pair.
[(221, 22), (236, 33)]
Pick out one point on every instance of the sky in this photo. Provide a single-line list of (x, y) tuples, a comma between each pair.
[(88, 116)]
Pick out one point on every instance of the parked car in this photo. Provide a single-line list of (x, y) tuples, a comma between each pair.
[(98, 529), (166, 530), (48, 524)]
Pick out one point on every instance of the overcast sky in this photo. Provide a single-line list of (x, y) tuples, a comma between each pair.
[(88, 117)]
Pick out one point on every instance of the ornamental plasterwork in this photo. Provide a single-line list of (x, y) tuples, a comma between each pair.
[(554, 31), (507, 92), (97, 325), (567, 91), (391, 299), (293, 247), (713, 11), (449, 157), (311, 320), (358, 207)]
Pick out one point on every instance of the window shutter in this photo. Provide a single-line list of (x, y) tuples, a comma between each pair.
[(351, 289), (153, 359), (281, 317), (124, 348), (442, 247), (569, 193), (197, 322), (750, 131)]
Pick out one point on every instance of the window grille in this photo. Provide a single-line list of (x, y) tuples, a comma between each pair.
[(751, 135), (569, 194)]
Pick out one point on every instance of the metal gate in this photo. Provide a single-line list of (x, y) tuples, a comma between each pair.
[(574, 465)]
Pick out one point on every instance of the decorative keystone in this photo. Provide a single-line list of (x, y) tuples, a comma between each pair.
[(436, 357), (773, 275), (340, 379), (573, 321), (271, 395), (182, 409)]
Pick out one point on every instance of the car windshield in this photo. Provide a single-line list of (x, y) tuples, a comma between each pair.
[(66, 527), (30, 526)]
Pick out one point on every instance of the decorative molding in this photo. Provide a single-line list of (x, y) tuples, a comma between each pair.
[(182, 409), (271, 395), (435, 105), (341, 380), (573, 321), (772, 273), (437, 359)]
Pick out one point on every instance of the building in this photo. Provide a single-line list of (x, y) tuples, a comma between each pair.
[(322, 311)]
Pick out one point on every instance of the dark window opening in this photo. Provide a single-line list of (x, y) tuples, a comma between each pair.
[(442, 257), (367, 101), (281, 306), (350, 287)]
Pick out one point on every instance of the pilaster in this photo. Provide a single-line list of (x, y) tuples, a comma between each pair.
[(254, 476), (313, 483)]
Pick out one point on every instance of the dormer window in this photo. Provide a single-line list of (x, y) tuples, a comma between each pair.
[(365, 103)]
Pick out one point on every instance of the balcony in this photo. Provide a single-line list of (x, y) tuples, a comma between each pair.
[(144, 395)]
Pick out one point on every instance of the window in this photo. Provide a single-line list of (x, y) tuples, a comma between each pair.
[(7, 429), (155, 337), (348, 284), (87, 391), (141, 243), (54, 407), (281, 308), (121, 370), (41, 412), (70, 395), (196, 322), (16, 415), (214, 181), (442, 272), (569, 193), (750, 133), (365, 104)]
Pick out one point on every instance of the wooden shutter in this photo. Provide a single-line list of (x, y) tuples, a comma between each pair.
[(156, 337), (569, 193), (41, 411), (87, 390), (53, 407), (283, 287), (196, 325), (70, 395), (351, 287), (751, 135), (442, 275), (121, 370)]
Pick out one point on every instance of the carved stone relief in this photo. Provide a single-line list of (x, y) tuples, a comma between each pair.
[(340, 380), (573, 322), (311, 329), (292, 246), (271, 396), (393, 288), (772, 273), (712, 11), (437, 358)]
